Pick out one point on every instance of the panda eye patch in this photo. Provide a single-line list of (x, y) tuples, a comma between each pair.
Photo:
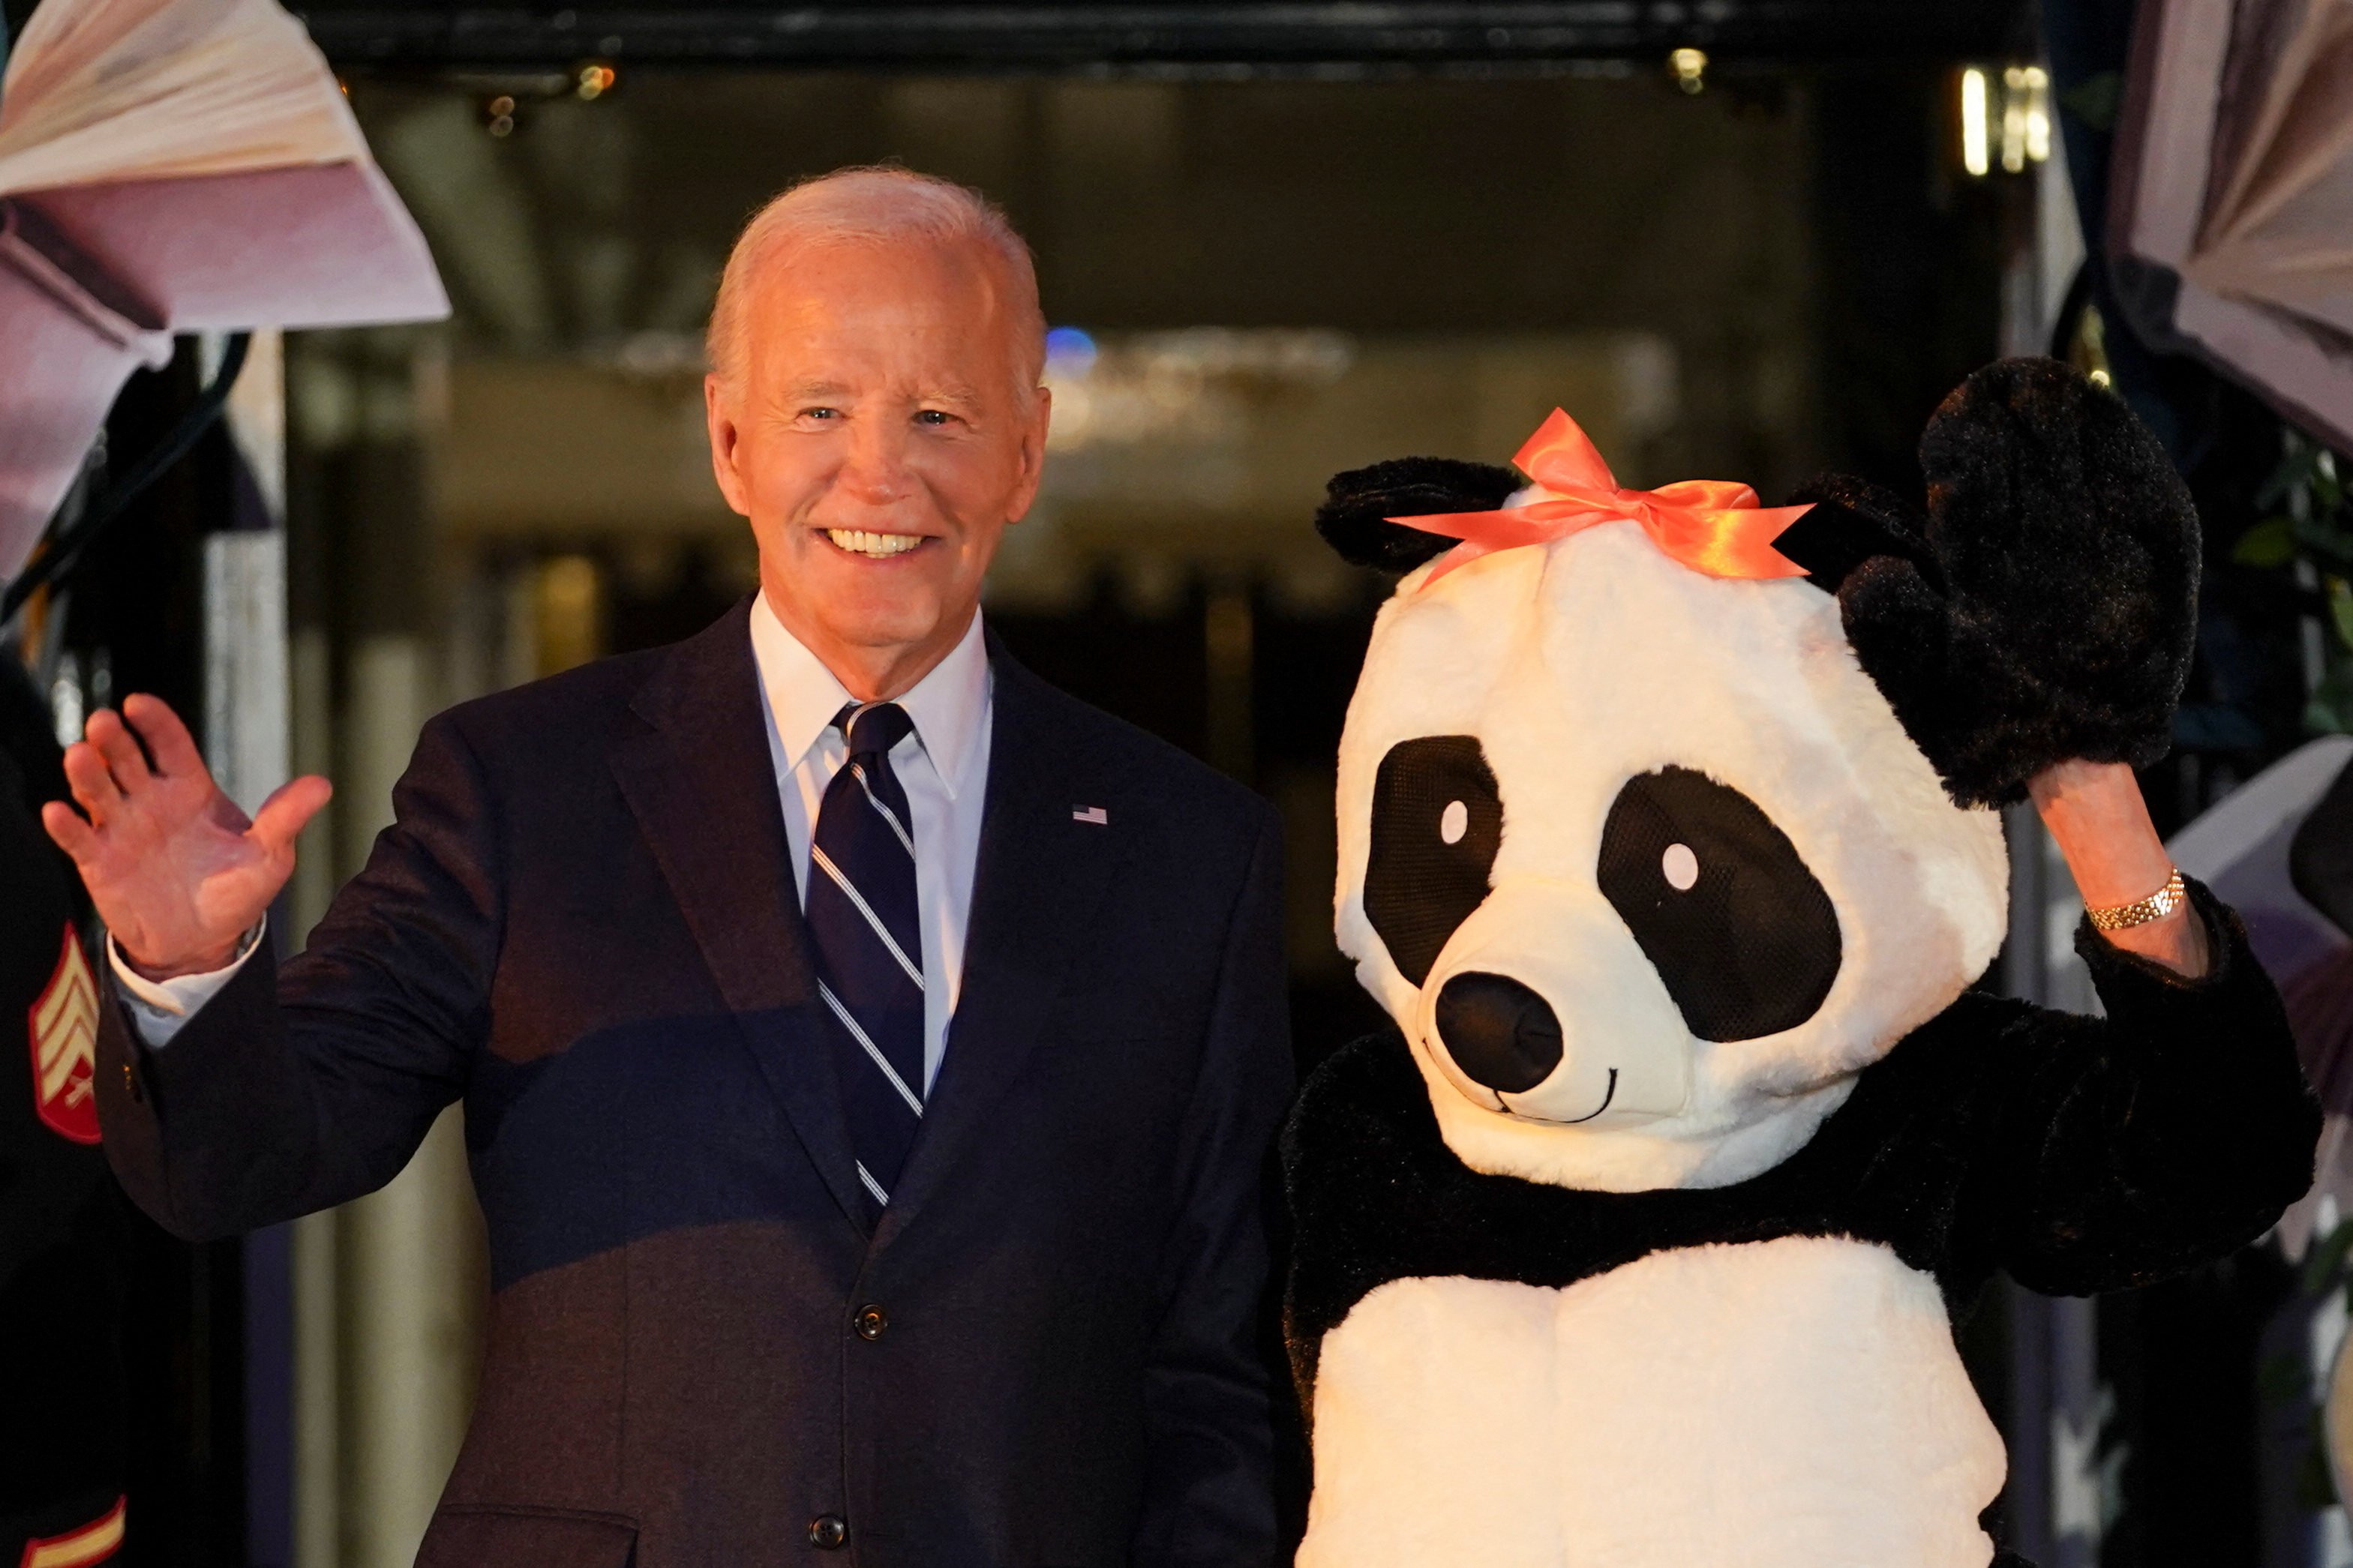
[(1723, 905), (1438, 823)]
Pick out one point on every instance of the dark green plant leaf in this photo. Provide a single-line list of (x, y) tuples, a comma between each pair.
[(2324, 1265), (2270, 542), (2315, 1487), (2095, 99), (2327, 544), (2283, 1379), (2289, 473)]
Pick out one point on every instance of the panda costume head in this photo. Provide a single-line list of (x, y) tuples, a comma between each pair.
[(1647, 860)]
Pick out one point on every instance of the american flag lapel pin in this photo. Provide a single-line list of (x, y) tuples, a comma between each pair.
[(1094, 814)]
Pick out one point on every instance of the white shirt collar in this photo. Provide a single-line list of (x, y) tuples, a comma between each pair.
[(948, 706)]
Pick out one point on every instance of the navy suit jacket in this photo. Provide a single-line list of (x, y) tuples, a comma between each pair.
[(583, 923)]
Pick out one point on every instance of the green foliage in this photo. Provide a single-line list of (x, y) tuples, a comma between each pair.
[(2270, 542), (2287, 1379), (2329, 709), (2311, 535), (2324, 1265), (2315, 1480), (2284, 1379), (2095, 99)]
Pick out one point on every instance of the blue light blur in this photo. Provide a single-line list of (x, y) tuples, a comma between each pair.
[(1069, 350)]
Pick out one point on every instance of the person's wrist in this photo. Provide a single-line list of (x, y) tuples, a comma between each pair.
[(2170, 898), (2094, 813), (205, 962), (2177, 941)]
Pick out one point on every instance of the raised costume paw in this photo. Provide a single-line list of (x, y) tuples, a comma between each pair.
[(2044, 606)]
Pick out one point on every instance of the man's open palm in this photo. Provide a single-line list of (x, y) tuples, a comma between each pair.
[(178, 873)]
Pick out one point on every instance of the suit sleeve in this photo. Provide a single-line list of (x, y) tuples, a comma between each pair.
[(1208, 1493), (295, 1090), (2175, 1130)]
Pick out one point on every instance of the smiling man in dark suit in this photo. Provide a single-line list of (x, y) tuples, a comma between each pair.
[(869, 1052)]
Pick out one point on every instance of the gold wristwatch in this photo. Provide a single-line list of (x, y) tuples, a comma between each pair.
[(2139, 913)]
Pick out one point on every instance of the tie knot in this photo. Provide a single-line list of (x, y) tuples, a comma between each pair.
[(874, 728)]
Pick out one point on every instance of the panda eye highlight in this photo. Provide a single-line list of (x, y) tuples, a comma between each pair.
[(1741, 932), (1436, 826)]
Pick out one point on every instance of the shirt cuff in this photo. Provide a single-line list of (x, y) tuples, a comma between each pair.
[(160, 1008)]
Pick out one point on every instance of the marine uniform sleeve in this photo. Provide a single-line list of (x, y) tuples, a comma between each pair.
[(2126, 1149), (65, 1258), (288, 1093)]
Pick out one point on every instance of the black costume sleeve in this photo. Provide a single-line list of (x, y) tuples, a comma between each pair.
[(1208, 1396), (280, 1097), (2128, 1148)]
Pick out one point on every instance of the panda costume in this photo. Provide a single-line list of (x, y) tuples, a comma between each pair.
[(1635, 1241)]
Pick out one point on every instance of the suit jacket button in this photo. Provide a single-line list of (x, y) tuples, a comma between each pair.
[(829, 1532), (870, 1321)]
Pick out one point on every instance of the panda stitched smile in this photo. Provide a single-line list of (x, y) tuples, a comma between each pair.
[(1609, 1095)]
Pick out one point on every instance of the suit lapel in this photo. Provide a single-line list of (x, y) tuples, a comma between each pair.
[(703, 788), (1040, 877)]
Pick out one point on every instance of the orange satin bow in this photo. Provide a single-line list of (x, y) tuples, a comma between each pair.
[(1710, 525)]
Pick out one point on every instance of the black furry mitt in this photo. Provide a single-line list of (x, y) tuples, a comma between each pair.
[(2045, 607), (1358, 505)]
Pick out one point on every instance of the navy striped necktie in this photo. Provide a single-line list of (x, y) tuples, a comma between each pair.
[(869, 939)]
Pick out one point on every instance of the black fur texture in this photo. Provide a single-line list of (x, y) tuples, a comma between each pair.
[(2054, 615), (1852, 520), (2080, 1153), (1358, 505)]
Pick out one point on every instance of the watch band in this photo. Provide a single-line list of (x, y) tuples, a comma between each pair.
[(2140, 911)]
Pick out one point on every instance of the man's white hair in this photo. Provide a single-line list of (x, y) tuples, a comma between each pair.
[(878, 204)]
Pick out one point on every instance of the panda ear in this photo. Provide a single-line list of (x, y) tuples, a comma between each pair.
[(1358, 505), (1852, 520)]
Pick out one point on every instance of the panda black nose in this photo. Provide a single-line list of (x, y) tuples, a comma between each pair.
[(1498, 1031)]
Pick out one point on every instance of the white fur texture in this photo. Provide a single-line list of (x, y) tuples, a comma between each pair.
[(1790, 1403), (1580, 665)]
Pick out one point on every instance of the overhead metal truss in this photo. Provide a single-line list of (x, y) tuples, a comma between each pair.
[(1312, 38)]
